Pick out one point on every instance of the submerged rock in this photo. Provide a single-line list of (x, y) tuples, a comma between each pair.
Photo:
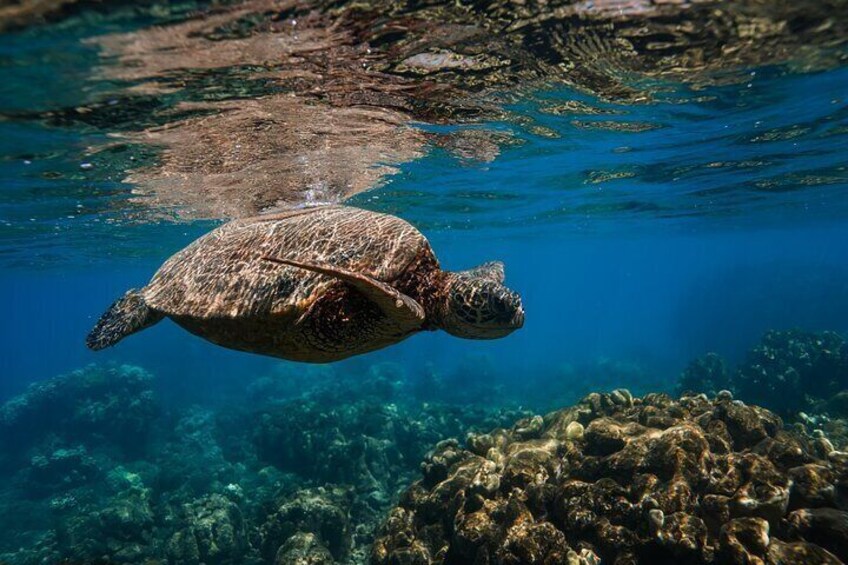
[(214, 532), (652, 480), (308, 476), (705, 374), (323, 513), (111, 406), (789, 372), (301, 473), (303, 549), (120, 527), (370, 444)]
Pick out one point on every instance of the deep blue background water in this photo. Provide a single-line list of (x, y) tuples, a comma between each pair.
[(650, 299), (727, 216)]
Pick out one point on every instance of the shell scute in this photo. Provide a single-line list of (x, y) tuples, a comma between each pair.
[(222, 274)]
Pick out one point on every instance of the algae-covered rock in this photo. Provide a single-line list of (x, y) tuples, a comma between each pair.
[(303, 549), (789, 370), (214, 532), (705, 374), (59, 469), (371, 444), (826, 527), (110, 405), (192, 461), (651, 480), (120, 528), (322, 512)]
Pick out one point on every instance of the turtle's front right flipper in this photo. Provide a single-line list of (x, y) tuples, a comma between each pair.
[(129, 314), (404, 310)]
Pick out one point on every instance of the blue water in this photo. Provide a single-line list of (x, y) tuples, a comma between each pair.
[(714, 234), (640, 235), (653, 299)]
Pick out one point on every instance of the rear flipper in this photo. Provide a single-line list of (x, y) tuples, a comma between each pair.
[(129, 314)]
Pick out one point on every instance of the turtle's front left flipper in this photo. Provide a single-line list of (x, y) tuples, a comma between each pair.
[(405, 311)]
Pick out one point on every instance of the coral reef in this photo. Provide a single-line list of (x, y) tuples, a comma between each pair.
[(625, 480), (120, 527), (706, 374), (301, 471), (308, 463), (322, 513), (63, 442), (214, 532), (111, 405), (792, 372), (372, 446), (303, 549), (367, 442)]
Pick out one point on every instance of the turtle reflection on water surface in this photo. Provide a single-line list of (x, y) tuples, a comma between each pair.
[(315, 284)]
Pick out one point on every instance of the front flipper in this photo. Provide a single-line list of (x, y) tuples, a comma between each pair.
[(397, 306)]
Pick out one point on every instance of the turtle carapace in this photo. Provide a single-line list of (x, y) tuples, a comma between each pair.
[(315, 284)]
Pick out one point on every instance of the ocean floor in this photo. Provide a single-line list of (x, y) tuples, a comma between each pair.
[(312, 467)]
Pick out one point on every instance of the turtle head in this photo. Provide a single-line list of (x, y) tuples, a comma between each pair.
[(478, 306)]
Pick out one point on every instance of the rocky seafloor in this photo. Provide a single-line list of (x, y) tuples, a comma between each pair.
[(311, 467)]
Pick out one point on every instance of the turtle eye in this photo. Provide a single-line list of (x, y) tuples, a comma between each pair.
[(499, 304)]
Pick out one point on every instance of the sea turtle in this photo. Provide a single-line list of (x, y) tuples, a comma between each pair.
[(315, 284)]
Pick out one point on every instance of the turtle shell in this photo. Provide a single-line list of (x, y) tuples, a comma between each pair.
[(222, 274)]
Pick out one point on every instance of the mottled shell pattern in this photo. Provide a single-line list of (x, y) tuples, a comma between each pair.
[(223, 275)]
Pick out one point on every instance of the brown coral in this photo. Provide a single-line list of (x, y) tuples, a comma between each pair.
[(652, 480)]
